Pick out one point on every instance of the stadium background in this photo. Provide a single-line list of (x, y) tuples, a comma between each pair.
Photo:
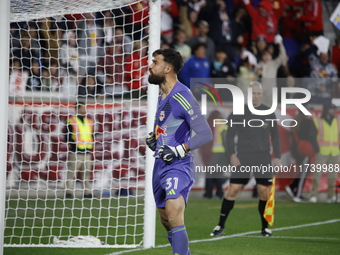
[(40, 152)]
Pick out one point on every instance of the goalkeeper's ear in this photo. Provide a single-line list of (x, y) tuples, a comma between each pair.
[(168, 69)]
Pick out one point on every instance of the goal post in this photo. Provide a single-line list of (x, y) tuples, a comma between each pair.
[(4, 45), (150, 207), (109, 199)]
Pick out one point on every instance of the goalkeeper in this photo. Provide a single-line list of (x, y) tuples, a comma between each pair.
[(173, 175)]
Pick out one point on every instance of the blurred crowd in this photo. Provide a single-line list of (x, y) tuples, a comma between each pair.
[(105, 54)]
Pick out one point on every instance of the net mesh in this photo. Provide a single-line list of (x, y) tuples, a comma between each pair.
[(35, 9), (98, 59)]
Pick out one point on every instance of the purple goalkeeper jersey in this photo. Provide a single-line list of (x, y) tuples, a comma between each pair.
[(177, 115)]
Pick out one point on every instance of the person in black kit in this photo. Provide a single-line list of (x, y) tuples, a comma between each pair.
[(305, 130), (252, 149)]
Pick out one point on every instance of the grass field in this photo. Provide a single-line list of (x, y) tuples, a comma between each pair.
[(299, 229), (74, 217)]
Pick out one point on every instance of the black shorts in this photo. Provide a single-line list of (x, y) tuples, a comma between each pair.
[(249, 160)]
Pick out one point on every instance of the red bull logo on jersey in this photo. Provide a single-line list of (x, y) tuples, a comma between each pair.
[(161, 115), (160, 131)]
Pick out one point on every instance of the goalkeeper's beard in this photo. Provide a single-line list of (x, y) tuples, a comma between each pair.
[(156, 79)]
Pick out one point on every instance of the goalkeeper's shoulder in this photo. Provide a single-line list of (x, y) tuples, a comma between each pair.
[(183, 90), (184, 101)]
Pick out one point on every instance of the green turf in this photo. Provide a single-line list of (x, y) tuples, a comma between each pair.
[(202, 216), (65, 218)]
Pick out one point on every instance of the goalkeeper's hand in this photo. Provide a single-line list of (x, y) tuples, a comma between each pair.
[(169, 153), (151, 141)]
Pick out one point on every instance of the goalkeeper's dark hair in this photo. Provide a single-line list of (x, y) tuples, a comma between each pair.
[(171, 56)]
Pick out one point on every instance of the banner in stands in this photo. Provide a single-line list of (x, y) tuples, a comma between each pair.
[(36, 148)]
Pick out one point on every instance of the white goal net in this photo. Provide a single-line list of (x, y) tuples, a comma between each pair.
[(72, 173)]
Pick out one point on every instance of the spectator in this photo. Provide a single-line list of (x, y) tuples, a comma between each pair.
[(223, 70), (137, 19), (69, 58), (108, 27), (114, 34), (242, 24), (123, 39), (165, 45), (52, 35), (180, 44), (62, 24), (202, 37), (323, 75), (311, 17), (247, 72), (291, 30), (69, 64), (197, 66), (34, 82), (25, 54), (51, 81), (188, 18), (15, 35), (222, 67), (18, 78), (267, 70), (196, 5), (136, 67), (89, 88), (79, 137), (111, 67), (225, 33), (302, 58), (32, 31), (328, 140), (265, 19), (15, 66), (169, 11), (206, 11), (73, 20), (90, 44), (259, 46)]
